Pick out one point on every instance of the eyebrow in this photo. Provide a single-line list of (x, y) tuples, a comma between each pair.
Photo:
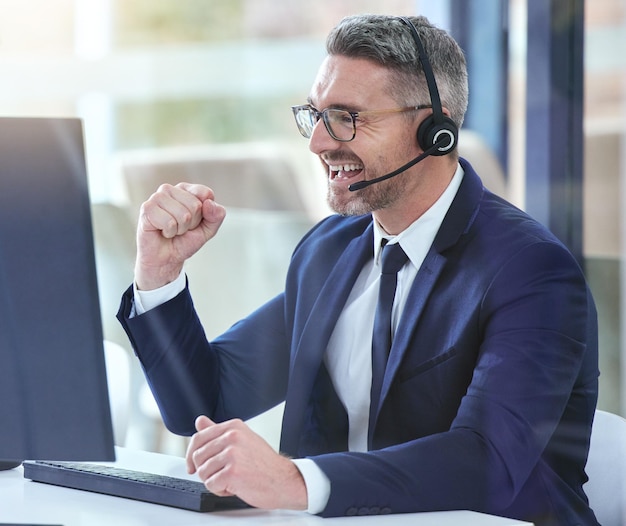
[(346, 107)]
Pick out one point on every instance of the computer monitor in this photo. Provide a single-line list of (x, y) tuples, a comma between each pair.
[(53, 391)]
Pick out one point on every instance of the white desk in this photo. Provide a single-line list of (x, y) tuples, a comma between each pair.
[(26, 502)]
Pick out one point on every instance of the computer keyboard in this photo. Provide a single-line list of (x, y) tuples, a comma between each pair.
[(138, 485)]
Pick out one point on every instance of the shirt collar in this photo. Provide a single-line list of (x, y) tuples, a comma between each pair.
[(417, 238)]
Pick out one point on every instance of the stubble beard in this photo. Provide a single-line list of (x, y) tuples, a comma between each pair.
[(367, 200)]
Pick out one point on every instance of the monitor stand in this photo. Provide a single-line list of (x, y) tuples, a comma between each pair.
[(9, 464)]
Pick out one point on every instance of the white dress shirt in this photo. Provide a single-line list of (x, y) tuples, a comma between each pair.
[(348, 355)]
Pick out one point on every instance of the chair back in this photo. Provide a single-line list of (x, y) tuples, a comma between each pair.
[(606, 468)]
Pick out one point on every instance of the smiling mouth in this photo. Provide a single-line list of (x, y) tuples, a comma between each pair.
[(344, 171)]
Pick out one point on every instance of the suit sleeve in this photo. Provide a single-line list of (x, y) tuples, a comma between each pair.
[(238, 375)]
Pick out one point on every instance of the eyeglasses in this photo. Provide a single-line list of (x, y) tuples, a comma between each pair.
[(340, 124)]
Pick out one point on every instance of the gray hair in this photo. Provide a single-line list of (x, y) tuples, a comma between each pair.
[(387, 41)]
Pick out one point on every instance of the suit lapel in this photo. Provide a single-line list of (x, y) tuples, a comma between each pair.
[(420, 292), (317, 331), (459, 218)]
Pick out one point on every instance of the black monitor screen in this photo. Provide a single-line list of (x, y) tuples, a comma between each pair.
[(53, 391)]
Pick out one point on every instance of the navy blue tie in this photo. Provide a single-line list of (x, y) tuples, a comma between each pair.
[(393, 259)]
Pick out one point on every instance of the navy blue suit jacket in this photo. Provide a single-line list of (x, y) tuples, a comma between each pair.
[(490, 389)]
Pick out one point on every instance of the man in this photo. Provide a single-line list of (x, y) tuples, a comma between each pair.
[(485, 397)]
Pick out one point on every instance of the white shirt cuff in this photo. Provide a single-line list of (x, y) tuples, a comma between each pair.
[(316, 482), (144, 300)]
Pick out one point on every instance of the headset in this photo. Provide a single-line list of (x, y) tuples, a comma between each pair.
[(437, 128)]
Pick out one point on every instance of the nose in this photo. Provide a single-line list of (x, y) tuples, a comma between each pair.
[(320, 140)]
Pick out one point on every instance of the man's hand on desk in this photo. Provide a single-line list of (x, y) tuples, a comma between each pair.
[(233, 460)]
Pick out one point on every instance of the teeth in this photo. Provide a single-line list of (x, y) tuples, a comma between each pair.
[(346, 167)]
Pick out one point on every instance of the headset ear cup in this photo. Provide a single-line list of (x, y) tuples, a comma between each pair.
[(430, 132)]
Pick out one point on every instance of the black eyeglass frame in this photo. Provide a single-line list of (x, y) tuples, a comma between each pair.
[(323, 114)]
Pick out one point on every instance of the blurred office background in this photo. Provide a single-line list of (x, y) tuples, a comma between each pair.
[(200, 90)]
